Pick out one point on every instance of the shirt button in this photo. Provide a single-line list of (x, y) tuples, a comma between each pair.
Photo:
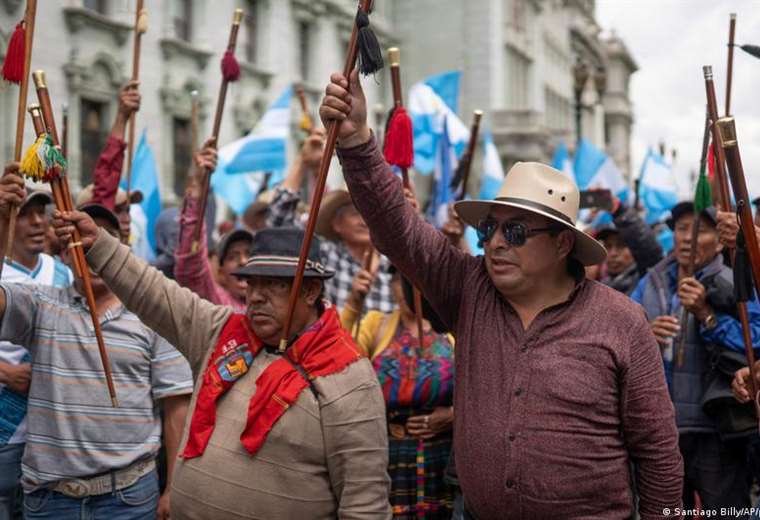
[(510, 484), (518, 392), (524, 348), (512, 436)]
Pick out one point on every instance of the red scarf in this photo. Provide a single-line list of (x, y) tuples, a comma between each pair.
[(324, 348)]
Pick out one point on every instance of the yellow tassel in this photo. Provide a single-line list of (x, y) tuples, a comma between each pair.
[(306, 124), (142, 21), (31, 165)]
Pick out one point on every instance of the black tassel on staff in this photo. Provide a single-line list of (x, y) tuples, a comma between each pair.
[(364, 44), (462, 175)]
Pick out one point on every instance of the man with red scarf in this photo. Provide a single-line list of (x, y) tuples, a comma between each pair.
[(294, 435)]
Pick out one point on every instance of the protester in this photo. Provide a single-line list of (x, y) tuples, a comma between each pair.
[(108, 170), (167, 236), (192, 267), (344, 233), (632, 248), (82, 456), (302, 435), (559, 380), (255, 215), (417, 379), (713, 449), (30, 265)]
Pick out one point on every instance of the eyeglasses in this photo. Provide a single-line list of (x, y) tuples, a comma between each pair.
[(515, 233)]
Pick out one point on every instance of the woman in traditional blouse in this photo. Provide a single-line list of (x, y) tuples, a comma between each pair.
[(418, 385)]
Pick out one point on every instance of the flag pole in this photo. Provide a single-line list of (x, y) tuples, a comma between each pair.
[(141, 26)]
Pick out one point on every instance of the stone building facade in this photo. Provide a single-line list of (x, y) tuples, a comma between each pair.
[(517, 59)]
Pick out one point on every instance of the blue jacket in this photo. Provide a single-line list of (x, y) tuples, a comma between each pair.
[(657, 293)]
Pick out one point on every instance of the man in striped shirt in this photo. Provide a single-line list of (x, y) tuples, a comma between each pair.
[(29, 265), (84, 458)]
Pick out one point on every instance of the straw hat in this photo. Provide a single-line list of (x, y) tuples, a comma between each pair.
[(543, 190), (331, 203)]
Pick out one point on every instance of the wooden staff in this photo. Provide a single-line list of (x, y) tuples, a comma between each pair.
[(194, 122), (141, 26), (681, 350), (237, 18), (730, 67), (727, 140), (6, 247), (324, 166), (307, 125), (469, 154), (62, 197), (65, 137), (394, 57), (724, 199), (369, 259)]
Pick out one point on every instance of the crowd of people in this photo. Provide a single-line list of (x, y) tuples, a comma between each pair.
[(562, 374)]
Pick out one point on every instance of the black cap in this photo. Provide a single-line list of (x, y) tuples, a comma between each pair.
[(605, 230), (227, 240), (102, 212), (36, 196), (275, 252), (686, 207)]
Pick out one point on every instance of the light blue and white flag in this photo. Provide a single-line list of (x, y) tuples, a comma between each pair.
[(442, 195), (658, 191), (595, 169), (145, 214), (264, 149), (236, 190), (493, 171), (562, 160), (429, 106)]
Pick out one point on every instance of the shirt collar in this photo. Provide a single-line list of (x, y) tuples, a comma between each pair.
[(29, 272)]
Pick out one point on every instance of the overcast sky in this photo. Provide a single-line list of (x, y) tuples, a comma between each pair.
[(671, 40)]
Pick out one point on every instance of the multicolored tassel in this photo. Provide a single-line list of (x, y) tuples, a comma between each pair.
[(43, 161)]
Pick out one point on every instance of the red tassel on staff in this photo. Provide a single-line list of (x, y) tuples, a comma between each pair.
[(13, 66), (230, 66), (399, 143)]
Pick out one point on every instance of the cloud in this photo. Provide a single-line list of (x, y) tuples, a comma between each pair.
[(671, 41)]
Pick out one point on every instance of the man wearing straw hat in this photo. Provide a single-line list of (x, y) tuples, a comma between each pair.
[(560, 383)]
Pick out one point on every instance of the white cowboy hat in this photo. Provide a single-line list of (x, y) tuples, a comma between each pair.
[(539, 189)]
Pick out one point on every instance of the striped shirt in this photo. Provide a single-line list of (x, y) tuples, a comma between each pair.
[(72, 429), (50, 272)]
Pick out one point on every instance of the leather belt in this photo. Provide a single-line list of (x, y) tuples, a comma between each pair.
[(105, 483)]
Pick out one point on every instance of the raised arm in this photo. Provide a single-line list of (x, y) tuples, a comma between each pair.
[(422, 253), (111, 160), (183, 318), (638, 236)]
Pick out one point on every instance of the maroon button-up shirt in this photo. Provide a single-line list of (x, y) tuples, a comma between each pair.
[(546, 419)]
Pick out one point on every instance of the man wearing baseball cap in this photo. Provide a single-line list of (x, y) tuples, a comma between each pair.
[(559, 379), (29, 265), (294, 434)]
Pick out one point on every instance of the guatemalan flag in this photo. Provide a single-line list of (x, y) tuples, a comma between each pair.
[(493, 171), (431, 102), (145, 214), (562, 160), (658, 190), (442, 194), (244, 164), (595, 169)]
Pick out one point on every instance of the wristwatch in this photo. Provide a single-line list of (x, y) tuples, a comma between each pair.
[(710, 322)]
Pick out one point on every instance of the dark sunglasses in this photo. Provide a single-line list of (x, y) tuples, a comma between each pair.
[(515, 233)]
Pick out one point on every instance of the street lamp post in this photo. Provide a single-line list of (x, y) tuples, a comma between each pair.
[(580, 78)]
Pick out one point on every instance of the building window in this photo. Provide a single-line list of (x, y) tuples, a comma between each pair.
[(304, 36), (182, 153), (183, 19), (517, 79), (93, 136), (251, 22), (99, 6)]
